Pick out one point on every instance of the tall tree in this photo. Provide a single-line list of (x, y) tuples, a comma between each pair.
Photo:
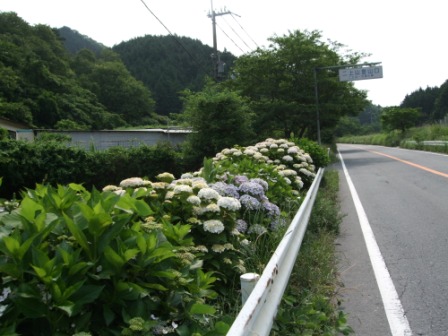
[(441, 103), (423, 99), (400, 118), (280, 82), (220, 118)]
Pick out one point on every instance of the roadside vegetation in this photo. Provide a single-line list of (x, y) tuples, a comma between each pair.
[(160, 257), (413, 138)]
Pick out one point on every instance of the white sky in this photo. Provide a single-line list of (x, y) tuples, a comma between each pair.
[(408, 37)]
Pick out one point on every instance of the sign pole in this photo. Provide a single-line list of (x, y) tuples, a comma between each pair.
[(358, 72)]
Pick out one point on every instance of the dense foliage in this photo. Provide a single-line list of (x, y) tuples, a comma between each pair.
[(74, 42), (40, 84), (219, 118), (144, 257), (432, 101), (400, 118), (23, 164), (279, 82)]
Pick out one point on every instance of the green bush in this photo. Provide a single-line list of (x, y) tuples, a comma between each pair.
[(74, 261), (50, 160)]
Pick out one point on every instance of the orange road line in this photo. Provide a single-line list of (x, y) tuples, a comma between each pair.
[(436, 172)]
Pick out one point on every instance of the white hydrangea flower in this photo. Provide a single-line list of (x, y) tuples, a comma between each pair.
[(132, 182), (182, 188), (208, 194), (111, 188), (187, 176), (237, 153), (308, 158), (165, 177), (199, 184), (249, 152), (293, 150), (287, 158), (218, 248), (229, 203), (213, 207), (226, 151), (193, 199), (213, 226)]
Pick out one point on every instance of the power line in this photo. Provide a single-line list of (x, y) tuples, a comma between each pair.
[(237, 34), (172, 35), (244, 30), (230, 39)]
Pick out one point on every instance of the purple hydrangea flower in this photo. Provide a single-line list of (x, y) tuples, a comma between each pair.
[(225, 189), (249, 202), (251, 188), (240, 179), (272, 209), (261, 182), (241, 225)]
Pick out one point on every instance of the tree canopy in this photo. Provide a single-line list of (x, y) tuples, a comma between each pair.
[(220, 118), (399, 118), (280, 83)]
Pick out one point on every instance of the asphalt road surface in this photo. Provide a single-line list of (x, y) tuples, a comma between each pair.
[(393, 246)]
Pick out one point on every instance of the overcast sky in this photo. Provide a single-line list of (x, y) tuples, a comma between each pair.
[(408, 37)]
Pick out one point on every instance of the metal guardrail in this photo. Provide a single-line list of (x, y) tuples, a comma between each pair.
[(258, 312)]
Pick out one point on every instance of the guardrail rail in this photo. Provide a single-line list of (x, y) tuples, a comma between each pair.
[(257, 315)]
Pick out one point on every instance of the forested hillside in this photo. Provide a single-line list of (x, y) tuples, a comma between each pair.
[(168, 65), (42, 85), (59, 78), (432, 102), (75, 41)]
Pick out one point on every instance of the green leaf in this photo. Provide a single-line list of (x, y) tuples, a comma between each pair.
[(131, 253), (143, 209), (78, 234), (11, 269), (87, 294), (202, 309), (68, 308), (222, 328), (28, 209), (158, 287), (108, 315), (12, 245), (41, 273), (141, 243), (114, 258)]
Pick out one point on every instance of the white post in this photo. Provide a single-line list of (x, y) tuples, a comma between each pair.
[(248, 282)]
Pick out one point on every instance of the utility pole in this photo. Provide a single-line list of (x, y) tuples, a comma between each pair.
[(218, 66)]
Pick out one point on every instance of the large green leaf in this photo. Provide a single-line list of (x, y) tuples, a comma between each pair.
[(201, 309), (114, 258), (78, 234)]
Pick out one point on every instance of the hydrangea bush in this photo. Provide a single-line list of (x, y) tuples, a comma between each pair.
[(146, 256)]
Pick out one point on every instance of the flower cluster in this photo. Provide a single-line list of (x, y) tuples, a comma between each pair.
[(293, 164)]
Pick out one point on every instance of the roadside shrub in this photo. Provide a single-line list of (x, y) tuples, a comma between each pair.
[(148, 254), (24, 164), (75, 261)]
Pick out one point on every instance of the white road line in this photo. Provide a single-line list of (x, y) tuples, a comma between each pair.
[(398, 322)]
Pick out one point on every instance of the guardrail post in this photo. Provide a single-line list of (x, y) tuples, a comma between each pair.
[(248, 282)]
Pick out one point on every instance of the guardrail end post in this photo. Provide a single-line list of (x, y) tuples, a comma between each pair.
[(248, 282)]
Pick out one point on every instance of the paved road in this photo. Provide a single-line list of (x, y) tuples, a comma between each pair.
[(403, 197)]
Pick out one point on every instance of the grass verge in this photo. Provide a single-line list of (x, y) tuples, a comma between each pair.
[(310, 305)]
